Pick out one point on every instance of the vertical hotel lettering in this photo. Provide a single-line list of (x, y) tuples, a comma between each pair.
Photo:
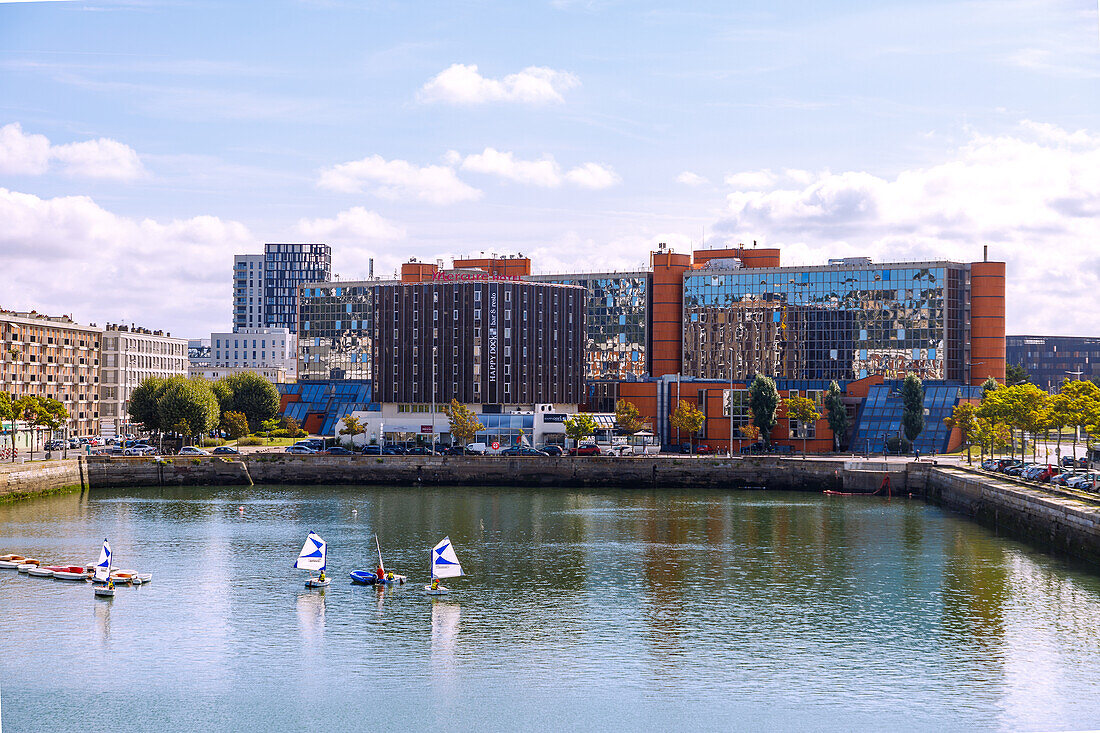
[(492, 371)]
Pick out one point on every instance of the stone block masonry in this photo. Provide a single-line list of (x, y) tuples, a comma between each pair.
[(23, 480)]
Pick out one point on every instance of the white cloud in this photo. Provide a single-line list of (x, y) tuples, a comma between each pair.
[(355, 223), (593, 175), (691, 179), (105, 267), (1033, 196), (30, 155), (462, 84), (543, 172), (394, 179), (752, 180)]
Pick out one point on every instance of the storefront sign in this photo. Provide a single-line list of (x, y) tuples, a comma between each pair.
[(553, 417), (492, 350), (458, 277), (425, 428)]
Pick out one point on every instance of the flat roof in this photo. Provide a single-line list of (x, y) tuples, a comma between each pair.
[(855, 267)]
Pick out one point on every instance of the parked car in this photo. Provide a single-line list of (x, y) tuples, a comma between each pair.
[(703, 449), (458, 450), (1081, 462), (1064, 478), (139, 449), (1018, 469), (337, 450), (190, 450), (552, 450), (226, 450), (521, 450), (56, 445), (418, 450), (314, 444), (1083, 481), (587, 449), (300, 450), (372, 450), (1042, 473)]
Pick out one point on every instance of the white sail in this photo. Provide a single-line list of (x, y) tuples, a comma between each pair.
[(444, 561), (103, 567), (312, 556)]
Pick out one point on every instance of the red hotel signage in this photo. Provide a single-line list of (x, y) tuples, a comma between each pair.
[(425, 428), (455, 277)]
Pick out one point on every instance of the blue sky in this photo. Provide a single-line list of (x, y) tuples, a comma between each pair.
[(143, 143)]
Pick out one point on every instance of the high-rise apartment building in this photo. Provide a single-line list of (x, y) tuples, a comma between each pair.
[(286, 268), (129, 354), (265, 287), (248, 291), (52, 357)]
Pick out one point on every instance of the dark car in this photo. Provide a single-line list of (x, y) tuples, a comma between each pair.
[(418, 450), (1005, 463), (1069, 462), (226, 450), (588, 449), (521, 450), (552, 450), (373, 450), (337, 451), (458, 450)]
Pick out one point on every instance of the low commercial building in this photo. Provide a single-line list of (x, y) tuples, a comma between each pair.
[(275, 375), (1049, 360), (52, 357), (129, 354)]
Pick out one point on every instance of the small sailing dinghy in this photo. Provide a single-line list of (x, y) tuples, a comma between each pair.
[(11, 561), (313, 558), (29, 564), (378, 577), (102, 573), (444, 565)]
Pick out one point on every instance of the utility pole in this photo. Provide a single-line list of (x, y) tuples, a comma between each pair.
[(731, 402)]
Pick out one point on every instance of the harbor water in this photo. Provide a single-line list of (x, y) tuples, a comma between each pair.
[(580, 610)]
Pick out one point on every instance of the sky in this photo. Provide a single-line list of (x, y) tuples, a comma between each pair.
[(143, 143)]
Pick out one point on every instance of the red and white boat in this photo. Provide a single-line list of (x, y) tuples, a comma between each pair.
[(71, 572), (44, 571), (29, 563)]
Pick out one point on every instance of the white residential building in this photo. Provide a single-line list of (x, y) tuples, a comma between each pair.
[(248, 292), (129, 354), (255, 349), (275, 375)]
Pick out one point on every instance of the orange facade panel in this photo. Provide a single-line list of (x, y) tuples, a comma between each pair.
[(666, 341), (499, 266), (417, 272), (987, 321), (762, 257)]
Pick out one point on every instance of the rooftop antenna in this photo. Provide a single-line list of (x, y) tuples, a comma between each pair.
[(370, 269)]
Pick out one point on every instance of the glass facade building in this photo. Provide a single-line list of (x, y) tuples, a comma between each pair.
[(842, 321), (617, 307), (286, 268), (879, 417), (495, 342)]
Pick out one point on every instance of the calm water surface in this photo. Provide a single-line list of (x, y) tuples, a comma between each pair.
[(611, 610)]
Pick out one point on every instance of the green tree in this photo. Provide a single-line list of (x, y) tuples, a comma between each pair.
[(836, 414), (579, 426), (1083, 399), (53, 415), (989, 385), (6, 414), (249, 393), (463, 422), (965, 418), (804, 411), (27, 410), (764, 402), (235, 424), (189, 404), (687, 418), (627, 417), (143, 402), (1016, 374), (352, 426), (912, 406)]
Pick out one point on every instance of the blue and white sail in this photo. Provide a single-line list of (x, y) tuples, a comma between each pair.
[(444, 560), (103, 567), (312, 556)]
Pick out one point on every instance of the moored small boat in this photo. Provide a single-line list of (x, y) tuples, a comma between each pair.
[(10, 562), (103, 573), (104, 591), (46, 571), (70, 572), (29, 563)]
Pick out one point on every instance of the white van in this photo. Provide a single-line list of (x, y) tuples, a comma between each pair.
[(484, 449)]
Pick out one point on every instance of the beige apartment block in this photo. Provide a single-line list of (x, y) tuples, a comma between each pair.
[(52, 356)]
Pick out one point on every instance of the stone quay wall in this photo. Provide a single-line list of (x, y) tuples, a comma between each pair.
[(24, 480), (1051, 520)]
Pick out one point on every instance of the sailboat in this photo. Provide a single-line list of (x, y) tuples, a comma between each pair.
[(366, 577), (444, 565), (313, 558), (102, 573)]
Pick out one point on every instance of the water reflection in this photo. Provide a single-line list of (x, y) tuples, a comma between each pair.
[(445, 619), (311, 617)]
